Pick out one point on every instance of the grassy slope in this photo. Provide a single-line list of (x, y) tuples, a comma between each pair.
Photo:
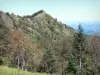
[(12, 71)]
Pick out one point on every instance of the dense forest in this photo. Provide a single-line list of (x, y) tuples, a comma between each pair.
[(40, 43)]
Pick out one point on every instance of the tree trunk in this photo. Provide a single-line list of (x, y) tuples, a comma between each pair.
[(23, 64), (80, 60), (80, 64), (18, 63), (62, 73)]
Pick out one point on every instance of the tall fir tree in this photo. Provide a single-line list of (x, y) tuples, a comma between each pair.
[(78, 46), (78, 52)]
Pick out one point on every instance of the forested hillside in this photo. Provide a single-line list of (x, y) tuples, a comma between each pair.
[(40, 43), (34, 42)]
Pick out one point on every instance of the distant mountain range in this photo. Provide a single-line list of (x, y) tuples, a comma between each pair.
[(90, 28)]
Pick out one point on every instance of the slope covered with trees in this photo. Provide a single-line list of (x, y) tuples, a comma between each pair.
[(40, 43), (34, 42)]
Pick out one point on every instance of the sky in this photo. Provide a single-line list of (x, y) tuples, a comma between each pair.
[(63, 10)]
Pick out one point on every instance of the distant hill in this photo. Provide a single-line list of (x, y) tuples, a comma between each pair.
[(90, 28)]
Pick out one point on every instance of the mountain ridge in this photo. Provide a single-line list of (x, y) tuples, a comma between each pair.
[(31, 37), (40, 43), (13, 21)]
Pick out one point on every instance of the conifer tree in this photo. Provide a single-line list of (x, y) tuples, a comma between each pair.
[(78, 52), (79, 47)]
